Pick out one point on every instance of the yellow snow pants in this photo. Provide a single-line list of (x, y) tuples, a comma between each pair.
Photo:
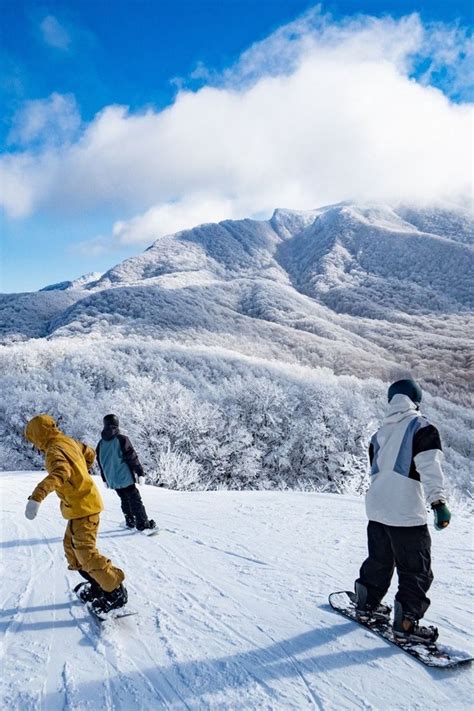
[(82, 554)]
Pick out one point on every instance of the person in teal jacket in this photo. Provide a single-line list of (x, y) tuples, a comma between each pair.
[(121, 470)]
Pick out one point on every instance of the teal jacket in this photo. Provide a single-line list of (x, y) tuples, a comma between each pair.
[(118, 462)]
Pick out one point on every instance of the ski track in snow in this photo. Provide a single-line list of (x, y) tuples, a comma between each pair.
[(233, 613)]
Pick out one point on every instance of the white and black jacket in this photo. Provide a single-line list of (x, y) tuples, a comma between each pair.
[(405, 456)]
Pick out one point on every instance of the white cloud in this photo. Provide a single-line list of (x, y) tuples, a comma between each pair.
[(317, 113), (54, 34), (55, 120), (159, 221), (173, 217), (451, 52), (364, 37)]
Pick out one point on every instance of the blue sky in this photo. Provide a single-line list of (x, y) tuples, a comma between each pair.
[(63, 62)]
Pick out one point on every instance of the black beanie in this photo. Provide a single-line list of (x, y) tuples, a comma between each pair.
[(406, 387), (111, 421)]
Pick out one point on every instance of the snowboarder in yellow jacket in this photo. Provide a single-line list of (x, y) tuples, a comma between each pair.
[(67, 462)]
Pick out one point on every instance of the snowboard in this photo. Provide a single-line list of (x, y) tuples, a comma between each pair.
[(430, 654), (148, 532), (112, 615)]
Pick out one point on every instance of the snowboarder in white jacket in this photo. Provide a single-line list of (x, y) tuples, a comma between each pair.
[(405, 457)]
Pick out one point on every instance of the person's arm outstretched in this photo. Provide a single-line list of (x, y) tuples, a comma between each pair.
[(59, 471)]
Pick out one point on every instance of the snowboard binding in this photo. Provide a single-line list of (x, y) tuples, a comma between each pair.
[(408, 629), (109, 603), (87, 592), (366, 611)]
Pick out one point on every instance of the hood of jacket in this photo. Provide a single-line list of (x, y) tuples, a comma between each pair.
[(40, 430), (109, 432), (400, 408)]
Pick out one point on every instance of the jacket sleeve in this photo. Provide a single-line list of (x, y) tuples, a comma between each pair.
[(130, 457), (97, 451), (428, 457), (89, 454), (59, 471)]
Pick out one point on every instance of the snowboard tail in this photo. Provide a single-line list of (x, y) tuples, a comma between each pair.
[(430, 654)]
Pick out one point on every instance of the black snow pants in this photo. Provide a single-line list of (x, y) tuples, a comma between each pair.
[(132, 506), (408, 548)]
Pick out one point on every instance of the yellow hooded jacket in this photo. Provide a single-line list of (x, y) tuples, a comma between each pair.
[(67, 463)]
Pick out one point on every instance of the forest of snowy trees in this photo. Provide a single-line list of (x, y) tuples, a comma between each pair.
[(207, 418)]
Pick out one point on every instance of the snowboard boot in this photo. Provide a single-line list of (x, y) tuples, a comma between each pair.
[(109, 601), (406, 627), (147, 525), (365, 609), (129, 521), (86, 592)]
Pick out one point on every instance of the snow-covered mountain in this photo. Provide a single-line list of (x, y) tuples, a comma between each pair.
[(360, 289), (233, 614), (85, 280), (371, 292)]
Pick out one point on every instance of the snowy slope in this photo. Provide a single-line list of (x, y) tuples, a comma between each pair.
[(28, 315), (81, 282), (233, 610)]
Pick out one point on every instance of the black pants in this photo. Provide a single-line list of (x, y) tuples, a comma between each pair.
[(409, 550), (132, 505)]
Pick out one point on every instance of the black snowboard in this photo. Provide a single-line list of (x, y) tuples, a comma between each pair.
[(432, 655)]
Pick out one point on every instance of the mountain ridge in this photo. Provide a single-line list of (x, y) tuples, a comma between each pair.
[(347, 283)]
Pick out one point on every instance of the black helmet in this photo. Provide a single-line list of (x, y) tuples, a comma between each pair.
[(406, 387), (111, 421)]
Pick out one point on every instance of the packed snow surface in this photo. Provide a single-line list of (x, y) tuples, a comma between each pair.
[(233, 612)]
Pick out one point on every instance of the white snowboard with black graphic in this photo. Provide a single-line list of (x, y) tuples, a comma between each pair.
[(432, 654)]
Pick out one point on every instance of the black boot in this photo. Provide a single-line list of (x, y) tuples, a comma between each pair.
[(86, 592), (145, 526), (109, 601), (130, 521), (406, 627), (366, 608)]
